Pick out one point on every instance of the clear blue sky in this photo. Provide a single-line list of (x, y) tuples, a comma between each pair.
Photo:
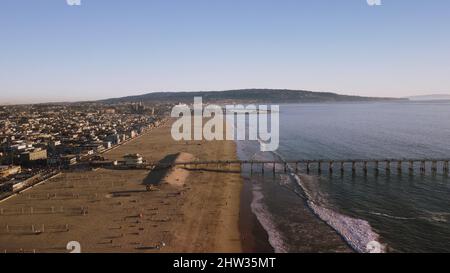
[(50, 51)]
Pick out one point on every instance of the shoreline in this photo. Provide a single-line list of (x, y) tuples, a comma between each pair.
[(254, 237), (288, 224), (196, 210)]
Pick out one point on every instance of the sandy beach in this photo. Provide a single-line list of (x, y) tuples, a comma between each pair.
[(185, 210), (109, 210)]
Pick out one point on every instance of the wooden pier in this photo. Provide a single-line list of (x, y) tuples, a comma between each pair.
[(422, 166)]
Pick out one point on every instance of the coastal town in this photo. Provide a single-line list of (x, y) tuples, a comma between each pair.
[(83, 174), (38, 141)]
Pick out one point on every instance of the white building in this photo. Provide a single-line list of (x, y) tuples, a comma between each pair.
[(133, 159)]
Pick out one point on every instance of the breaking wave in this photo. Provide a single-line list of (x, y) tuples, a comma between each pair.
[(356, 232)]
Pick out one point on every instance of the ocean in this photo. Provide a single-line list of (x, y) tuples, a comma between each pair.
[(373, 212)]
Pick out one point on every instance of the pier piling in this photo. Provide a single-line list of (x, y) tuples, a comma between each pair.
[(434, 166), (356, 164), (411, 167), (399, 166), (422, 167)]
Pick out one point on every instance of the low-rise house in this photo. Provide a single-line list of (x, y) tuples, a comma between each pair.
[(6, 171)]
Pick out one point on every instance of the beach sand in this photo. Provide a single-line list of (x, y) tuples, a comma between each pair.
[(186, 210), (110, 210)]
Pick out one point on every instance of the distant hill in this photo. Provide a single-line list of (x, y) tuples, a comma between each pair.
[(430, 97), (248, 95)]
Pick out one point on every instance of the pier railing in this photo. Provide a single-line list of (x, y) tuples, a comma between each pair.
[(342, 165)]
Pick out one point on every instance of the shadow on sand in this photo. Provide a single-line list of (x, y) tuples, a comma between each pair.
[(157, 175)]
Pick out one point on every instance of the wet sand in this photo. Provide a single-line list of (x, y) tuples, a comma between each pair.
[(278, 213), (254, 237)]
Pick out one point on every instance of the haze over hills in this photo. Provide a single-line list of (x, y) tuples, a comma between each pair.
[(249, 95), (430, 97)]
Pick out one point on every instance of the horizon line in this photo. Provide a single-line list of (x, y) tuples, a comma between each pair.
[(70, 101)]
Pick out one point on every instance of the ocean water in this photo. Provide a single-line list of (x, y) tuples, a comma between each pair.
[(388, 212)]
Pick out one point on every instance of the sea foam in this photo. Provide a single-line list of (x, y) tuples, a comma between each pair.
[(356, 232), (265, 219)]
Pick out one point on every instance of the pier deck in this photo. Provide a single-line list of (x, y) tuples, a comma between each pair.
[(423, 165)]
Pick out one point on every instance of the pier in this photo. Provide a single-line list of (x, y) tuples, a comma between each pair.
[(423, 166)]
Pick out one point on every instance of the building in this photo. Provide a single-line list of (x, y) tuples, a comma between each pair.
[(15, 186), (34, 155), (54, 144), (103, 163), (95, 147), (68, 160), (114, 139), (133, 134), (107, 144), (133, 159), (6, 171), (110, 111)]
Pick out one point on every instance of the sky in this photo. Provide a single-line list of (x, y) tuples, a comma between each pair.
[(51, 51)]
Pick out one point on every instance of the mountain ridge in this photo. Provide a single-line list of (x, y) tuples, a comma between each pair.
[(252, 95)]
